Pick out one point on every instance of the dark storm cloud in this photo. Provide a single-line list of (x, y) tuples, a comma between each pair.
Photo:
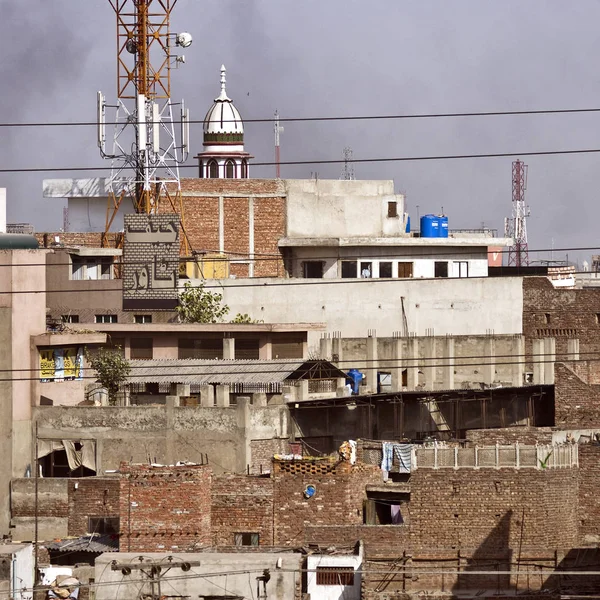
[(316, 58)]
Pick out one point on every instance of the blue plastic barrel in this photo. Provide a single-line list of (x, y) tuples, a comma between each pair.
[(408, 224), (430, 226), (443, 226)]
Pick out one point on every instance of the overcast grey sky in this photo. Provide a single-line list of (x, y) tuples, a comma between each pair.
[(333, 58)]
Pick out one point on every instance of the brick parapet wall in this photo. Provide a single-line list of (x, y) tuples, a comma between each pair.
[(510, 435), (92, 497), (165, 508), (262, 452), (577, 403), (589, 498), (241, 504)]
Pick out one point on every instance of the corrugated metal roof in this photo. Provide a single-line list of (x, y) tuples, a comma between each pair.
[(86, 543), (224, 372)]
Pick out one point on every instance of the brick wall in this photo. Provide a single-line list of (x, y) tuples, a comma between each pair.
[(577, 403), (589, 499), (509, 435), (93, 497), (338, 499), (241, 504), (262, 451), (165, 508)]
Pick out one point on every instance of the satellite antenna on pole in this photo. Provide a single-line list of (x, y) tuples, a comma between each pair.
[(277, 130)]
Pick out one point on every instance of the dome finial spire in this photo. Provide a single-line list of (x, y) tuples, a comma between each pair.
[(223, 94)]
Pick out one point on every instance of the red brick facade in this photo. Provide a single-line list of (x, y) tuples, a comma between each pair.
[(91, 497)]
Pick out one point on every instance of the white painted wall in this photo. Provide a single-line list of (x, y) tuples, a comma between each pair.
[(21, 580), (333, 592), (2, 210), (471, 306), (336, 208)]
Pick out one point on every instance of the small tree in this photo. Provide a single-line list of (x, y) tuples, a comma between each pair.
[(244, 318), (112, 370), (197, 305)]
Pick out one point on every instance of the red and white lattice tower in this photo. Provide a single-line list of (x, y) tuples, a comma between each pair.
[(515, 226)]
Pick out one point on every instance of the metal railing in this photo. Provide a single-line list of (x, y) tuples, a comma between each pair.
[(516, 456)]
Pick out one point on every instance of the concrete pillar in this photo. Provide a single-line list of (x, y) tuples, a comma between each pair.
[(289, 393), (222, 395), (572, 349), (549, 359), (207, 395), (537, 357), (518, 361), (372, 364), (170, 436), (325, 348), (397, 364), (242, 413), (429, 362), (302, 389), (336, 352), (259, 399), (448, 369), (412, 364), (181, 390), (489, 360), (228, 348)]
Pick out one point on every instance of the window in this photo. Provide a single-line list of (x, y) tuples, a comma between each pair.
[(201, 170), (392, 210), (246, 539), (461, 268), (140, 319), (597, 318), (200, 348), (70, 318), (405, 269), (91, 268), (140, 348), (312, 269), (104, 525), (335, 576), (105, 318), (440, 269), (385, 269), (349, 269), (366, 270), (213, 169), (248, 349), (77, 268), (547, 318), (244, 168), (230, 169), (383, 510)]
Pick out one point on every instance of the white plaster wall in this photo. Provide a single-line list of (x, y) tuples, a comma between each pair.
[(337, 208), (23, 579), (471, 306), (333, 592), (89, 214)]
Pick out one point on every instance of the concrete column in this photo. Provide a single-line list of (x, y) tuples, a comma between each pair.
[(489, 360), (222, 395), (170, 435), (448, 370), (302, 389), (537, 357), (549, 358), (289, 393), (181, 390), (336, 351), (397, 364), (372, 364), (244, 457), (518, 361), (207, 395), (265, 348), (259, 399), (429, 362), (325, 348), (228, 348), (412, 364), (572, 349)]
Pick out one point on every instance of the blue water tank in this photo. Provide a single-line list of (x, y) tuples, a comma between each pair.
[(354, 378), (408, 224), (443, 226), (430, 226)]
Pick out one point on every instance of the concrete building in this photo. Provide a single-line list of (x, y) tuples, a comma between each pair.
[(16, 571)]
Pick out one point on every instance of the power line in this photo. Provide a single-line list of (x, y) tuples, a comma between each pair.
[(271, 120), (336, 161)]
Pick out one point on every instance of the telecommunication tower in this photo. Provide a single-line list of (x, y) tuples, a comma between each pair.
[(145, 152), (348, 169), (277, 130), (515, 226)]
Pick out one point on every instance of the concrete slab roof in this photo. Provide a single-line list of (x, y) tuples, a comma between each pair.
[(460, 242), (175, 328)]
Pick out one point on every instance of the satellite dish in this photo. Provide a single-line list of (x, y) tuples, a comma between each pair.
[(310, 491), (183, 39)]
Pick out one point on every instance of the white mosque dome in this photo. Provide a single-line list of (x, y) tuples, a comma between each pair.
[(223, 122)]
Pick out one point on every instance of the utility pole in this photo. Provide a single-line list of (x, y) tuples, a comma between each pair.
[(277, 130), (348, 169)]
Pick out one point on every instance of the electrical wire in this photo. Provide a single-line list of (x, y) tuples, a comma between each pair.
[(272, 120), (330, 162)]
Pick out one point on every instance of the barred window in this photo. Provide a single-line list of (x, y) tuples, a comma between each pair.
[(335, 576)]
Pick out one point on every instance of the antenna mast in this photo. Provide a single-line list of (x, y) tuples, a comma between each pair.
[(144, 138), (516, 226), (348, 170), (277, 129)]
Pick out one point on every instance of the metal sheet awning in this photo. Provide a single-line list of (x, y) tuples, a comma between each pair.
[(230, 372)]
